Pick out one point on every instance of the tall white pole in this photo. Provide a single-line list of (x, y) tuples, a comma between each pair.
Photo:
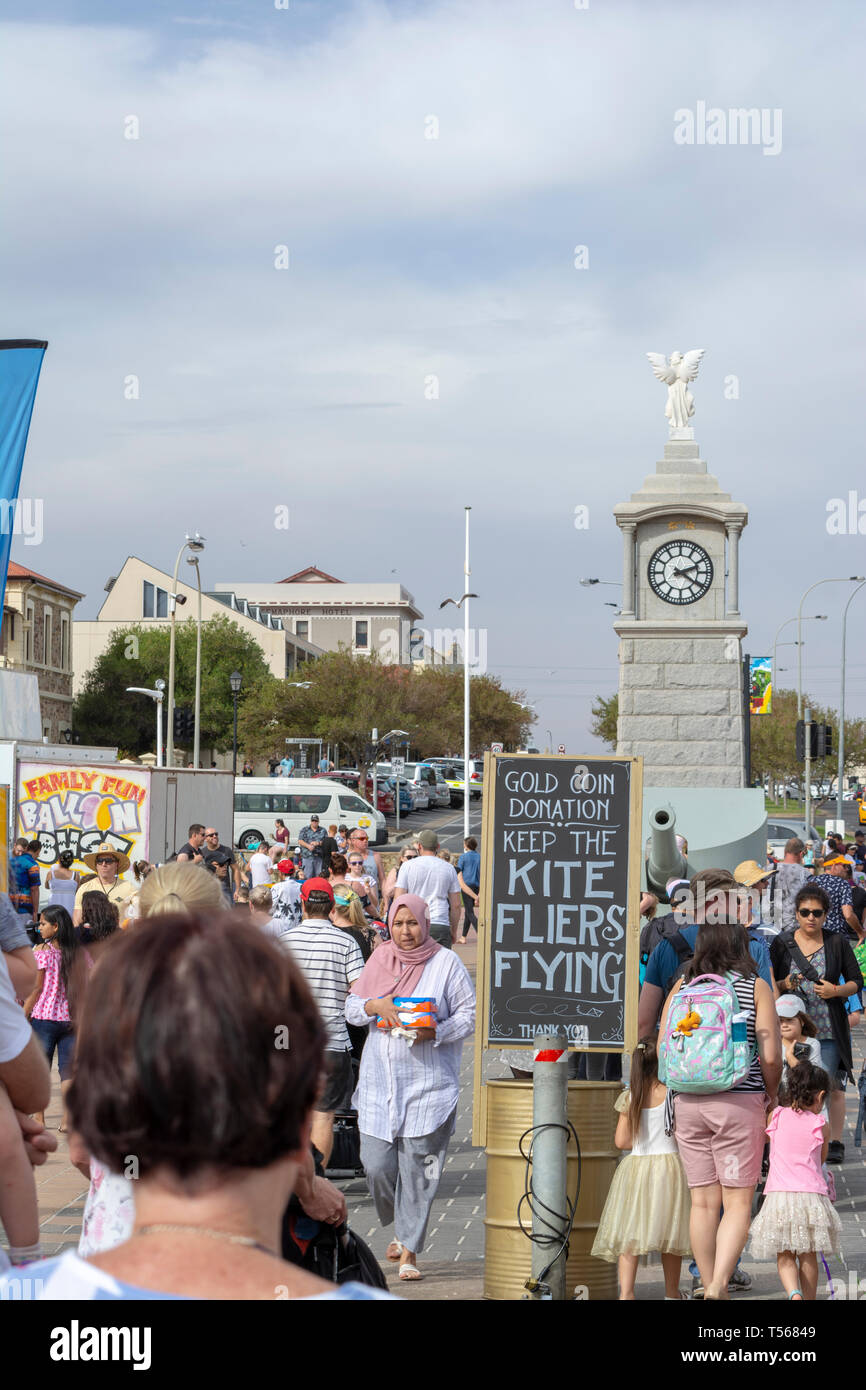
[(466, 747), (196, 746), (158, 703), (840, 765), (172, 600)]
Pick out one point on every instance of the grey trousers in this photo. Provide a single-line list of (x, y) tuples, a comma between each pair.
[(440, 932), (403, 1178)]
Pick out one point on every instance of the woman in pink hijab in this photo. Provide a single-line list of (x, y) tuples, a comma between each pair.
[(408, 1086)]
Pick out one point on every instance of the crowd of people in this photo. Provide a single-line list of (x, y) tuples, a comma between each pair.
[(204, 1137)]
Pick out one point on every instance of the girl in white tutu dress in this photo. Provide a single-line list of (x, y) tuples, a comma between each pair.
[(647, 1207), (797, 1218)]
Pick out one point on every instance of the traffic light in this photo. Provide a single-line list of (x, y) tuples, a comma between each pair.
[(825, 741), (184, 725), (800, 739)]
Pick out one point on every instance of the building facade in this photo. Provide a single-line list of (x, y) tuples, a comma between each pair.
[(140, 594), (36, 637), (318, 608)]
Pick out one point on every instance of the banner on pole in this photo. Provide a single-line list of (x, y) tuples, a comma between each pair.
[(20, 363), (760, 685)]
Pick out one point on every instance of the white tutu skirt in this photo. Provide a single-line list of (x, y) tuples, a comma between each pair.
[(795, 1221), (647, 1209)]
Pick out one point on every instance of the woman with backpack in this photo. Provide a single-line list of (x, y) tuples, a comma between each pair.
[(819, 965), (719, 1125)]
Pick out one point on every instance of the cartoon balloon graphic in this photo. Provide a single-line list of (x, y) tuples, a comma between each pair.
[(103, 813)]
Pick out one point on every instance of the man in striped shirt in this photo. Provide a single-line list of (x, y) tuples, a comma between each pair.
[(331, 961)]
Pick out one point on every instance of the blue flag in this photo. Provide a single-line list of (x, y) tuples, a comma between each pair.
[(20, 361)]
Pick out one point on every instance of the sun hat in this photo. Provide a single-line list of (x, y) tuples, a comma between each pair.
[(102, 852), (834, 859), (750, 872), (789, 1005)]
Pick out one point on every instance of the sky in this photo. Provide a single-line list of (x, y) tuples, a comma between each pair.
[(427, 171)]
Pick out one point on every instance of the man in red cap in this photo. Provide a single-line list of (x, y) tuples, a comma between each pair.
[(331, 961), (286, 896)]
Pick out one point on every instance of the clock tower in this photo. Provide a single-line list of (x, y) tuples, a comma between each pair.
[(680, 628)]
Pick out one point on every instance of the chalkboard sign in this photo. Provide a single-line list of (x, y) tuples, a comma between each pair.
[(559, 901)]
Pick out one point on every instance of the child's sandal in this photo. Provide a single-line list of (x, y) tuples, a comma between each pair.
[(795, 1293)]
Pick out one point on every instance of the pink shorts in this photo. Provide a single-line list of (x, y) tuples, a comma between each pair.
[(721, 1137)]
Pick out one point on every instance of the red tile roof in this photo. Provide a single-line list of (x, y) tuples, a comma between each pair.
[(17, 571)]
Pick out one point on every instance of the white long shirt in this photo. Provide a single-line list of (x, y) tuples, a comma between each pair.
[(405, 1092)]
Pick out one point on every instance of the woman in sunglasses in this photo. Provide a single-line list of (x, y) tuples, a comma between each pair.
[(389, 888), (819, 965)]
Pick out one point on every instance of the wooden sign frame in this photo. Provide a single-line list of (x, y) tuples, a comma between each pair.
[(485, 919)]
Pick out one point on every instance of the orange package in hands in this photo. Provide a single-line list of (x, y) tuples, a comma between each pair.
[(413, 1012)]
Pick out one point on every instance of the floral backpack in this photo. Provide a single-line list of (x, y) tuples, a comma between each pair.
[(705, 1047)]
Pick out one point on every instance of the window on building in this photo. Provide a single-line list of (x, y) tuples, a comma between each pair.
[(362, 634), (302, 628), (29, 619), (154, 601), (147, 609), (161, 603), (64, 641), (47, 634)]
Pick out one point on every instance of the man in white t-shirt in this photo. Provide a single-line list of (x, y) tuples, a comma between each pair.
[(260, 866), (436, 882)]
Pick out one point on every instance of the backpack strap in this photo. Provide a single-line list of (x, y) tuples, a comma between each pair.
[(806, 970), (681, 946)]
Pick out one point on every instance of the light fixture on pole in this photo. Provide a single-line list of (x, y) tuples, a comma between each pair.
[(235, 683), (463, 603), (840, 756), (611, 583), (158, 694), (196, 744), (847, 579), (196, 544), (810, 618)]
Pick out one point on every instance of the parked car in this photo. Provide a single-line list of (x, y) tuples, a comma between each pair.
[(454, 774), (780, 831), (260, 800), (429, 776), (384, 794), (349, 777)]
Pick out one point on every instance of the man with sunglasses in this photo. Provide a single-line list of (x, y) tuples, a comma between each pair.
[(213, 854), (819, 965), (841, 916), (107, 863), (359, 841)]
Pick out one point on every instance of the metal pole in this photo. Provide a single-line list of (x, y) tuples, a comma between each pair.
[(747, 716), (158, 702), (196, 745), (549, 1163), (235, 736), (169, 732), (808, 788), (840, 763), (466, 749)]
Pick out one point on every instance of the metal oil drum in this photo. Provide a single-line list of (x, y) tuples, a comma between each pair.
[(507, 1251)]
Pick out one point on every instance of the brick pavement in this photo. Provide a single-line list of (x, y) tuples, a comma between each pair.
[(453, 1262)]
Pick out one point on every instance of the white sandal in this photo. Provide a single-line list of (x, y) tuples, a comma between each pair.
[(410, 1274)]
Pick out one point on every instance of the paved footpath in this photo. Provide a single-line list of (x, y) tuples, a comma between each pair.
[(454, 1259)]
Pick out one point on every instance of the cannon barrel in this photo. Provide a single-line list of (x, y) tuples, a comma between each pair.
[(664, 860)]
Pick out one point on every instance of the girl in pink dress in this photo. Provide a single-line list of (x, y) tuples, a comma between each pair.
[(797, 1218)]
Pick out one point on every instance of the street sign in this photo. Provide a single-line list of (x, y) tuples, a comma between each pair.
[(398, 766), (496, 747), (561, 748)]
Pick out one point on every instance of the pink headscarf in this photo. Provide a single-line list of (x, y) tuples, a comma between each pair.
[(392, 971)]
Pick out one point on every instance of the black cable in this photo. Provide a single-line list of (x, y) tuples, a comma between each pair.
[(559, 1233)]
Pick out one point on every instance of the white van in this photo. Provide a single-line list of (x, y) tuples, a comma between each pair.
[(259, 801)]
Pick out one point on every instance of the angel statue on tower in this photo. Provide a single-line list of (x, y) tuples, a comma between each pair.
[(682, 368)]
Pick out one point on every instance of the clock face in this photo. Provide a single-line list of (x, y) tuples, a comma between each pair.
[(680, 572)]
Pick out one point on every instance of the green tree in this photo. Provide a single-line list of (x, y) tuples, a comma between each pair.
[(605, 712), (349, 696), (104, 713)]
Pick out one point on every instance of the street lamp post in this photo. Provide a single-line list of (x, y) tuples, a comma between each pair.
[(466, 749), (811, 617), (157, 695), (194, 543), (840, 763), (235, 682), (196, 745), (848, 579)]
